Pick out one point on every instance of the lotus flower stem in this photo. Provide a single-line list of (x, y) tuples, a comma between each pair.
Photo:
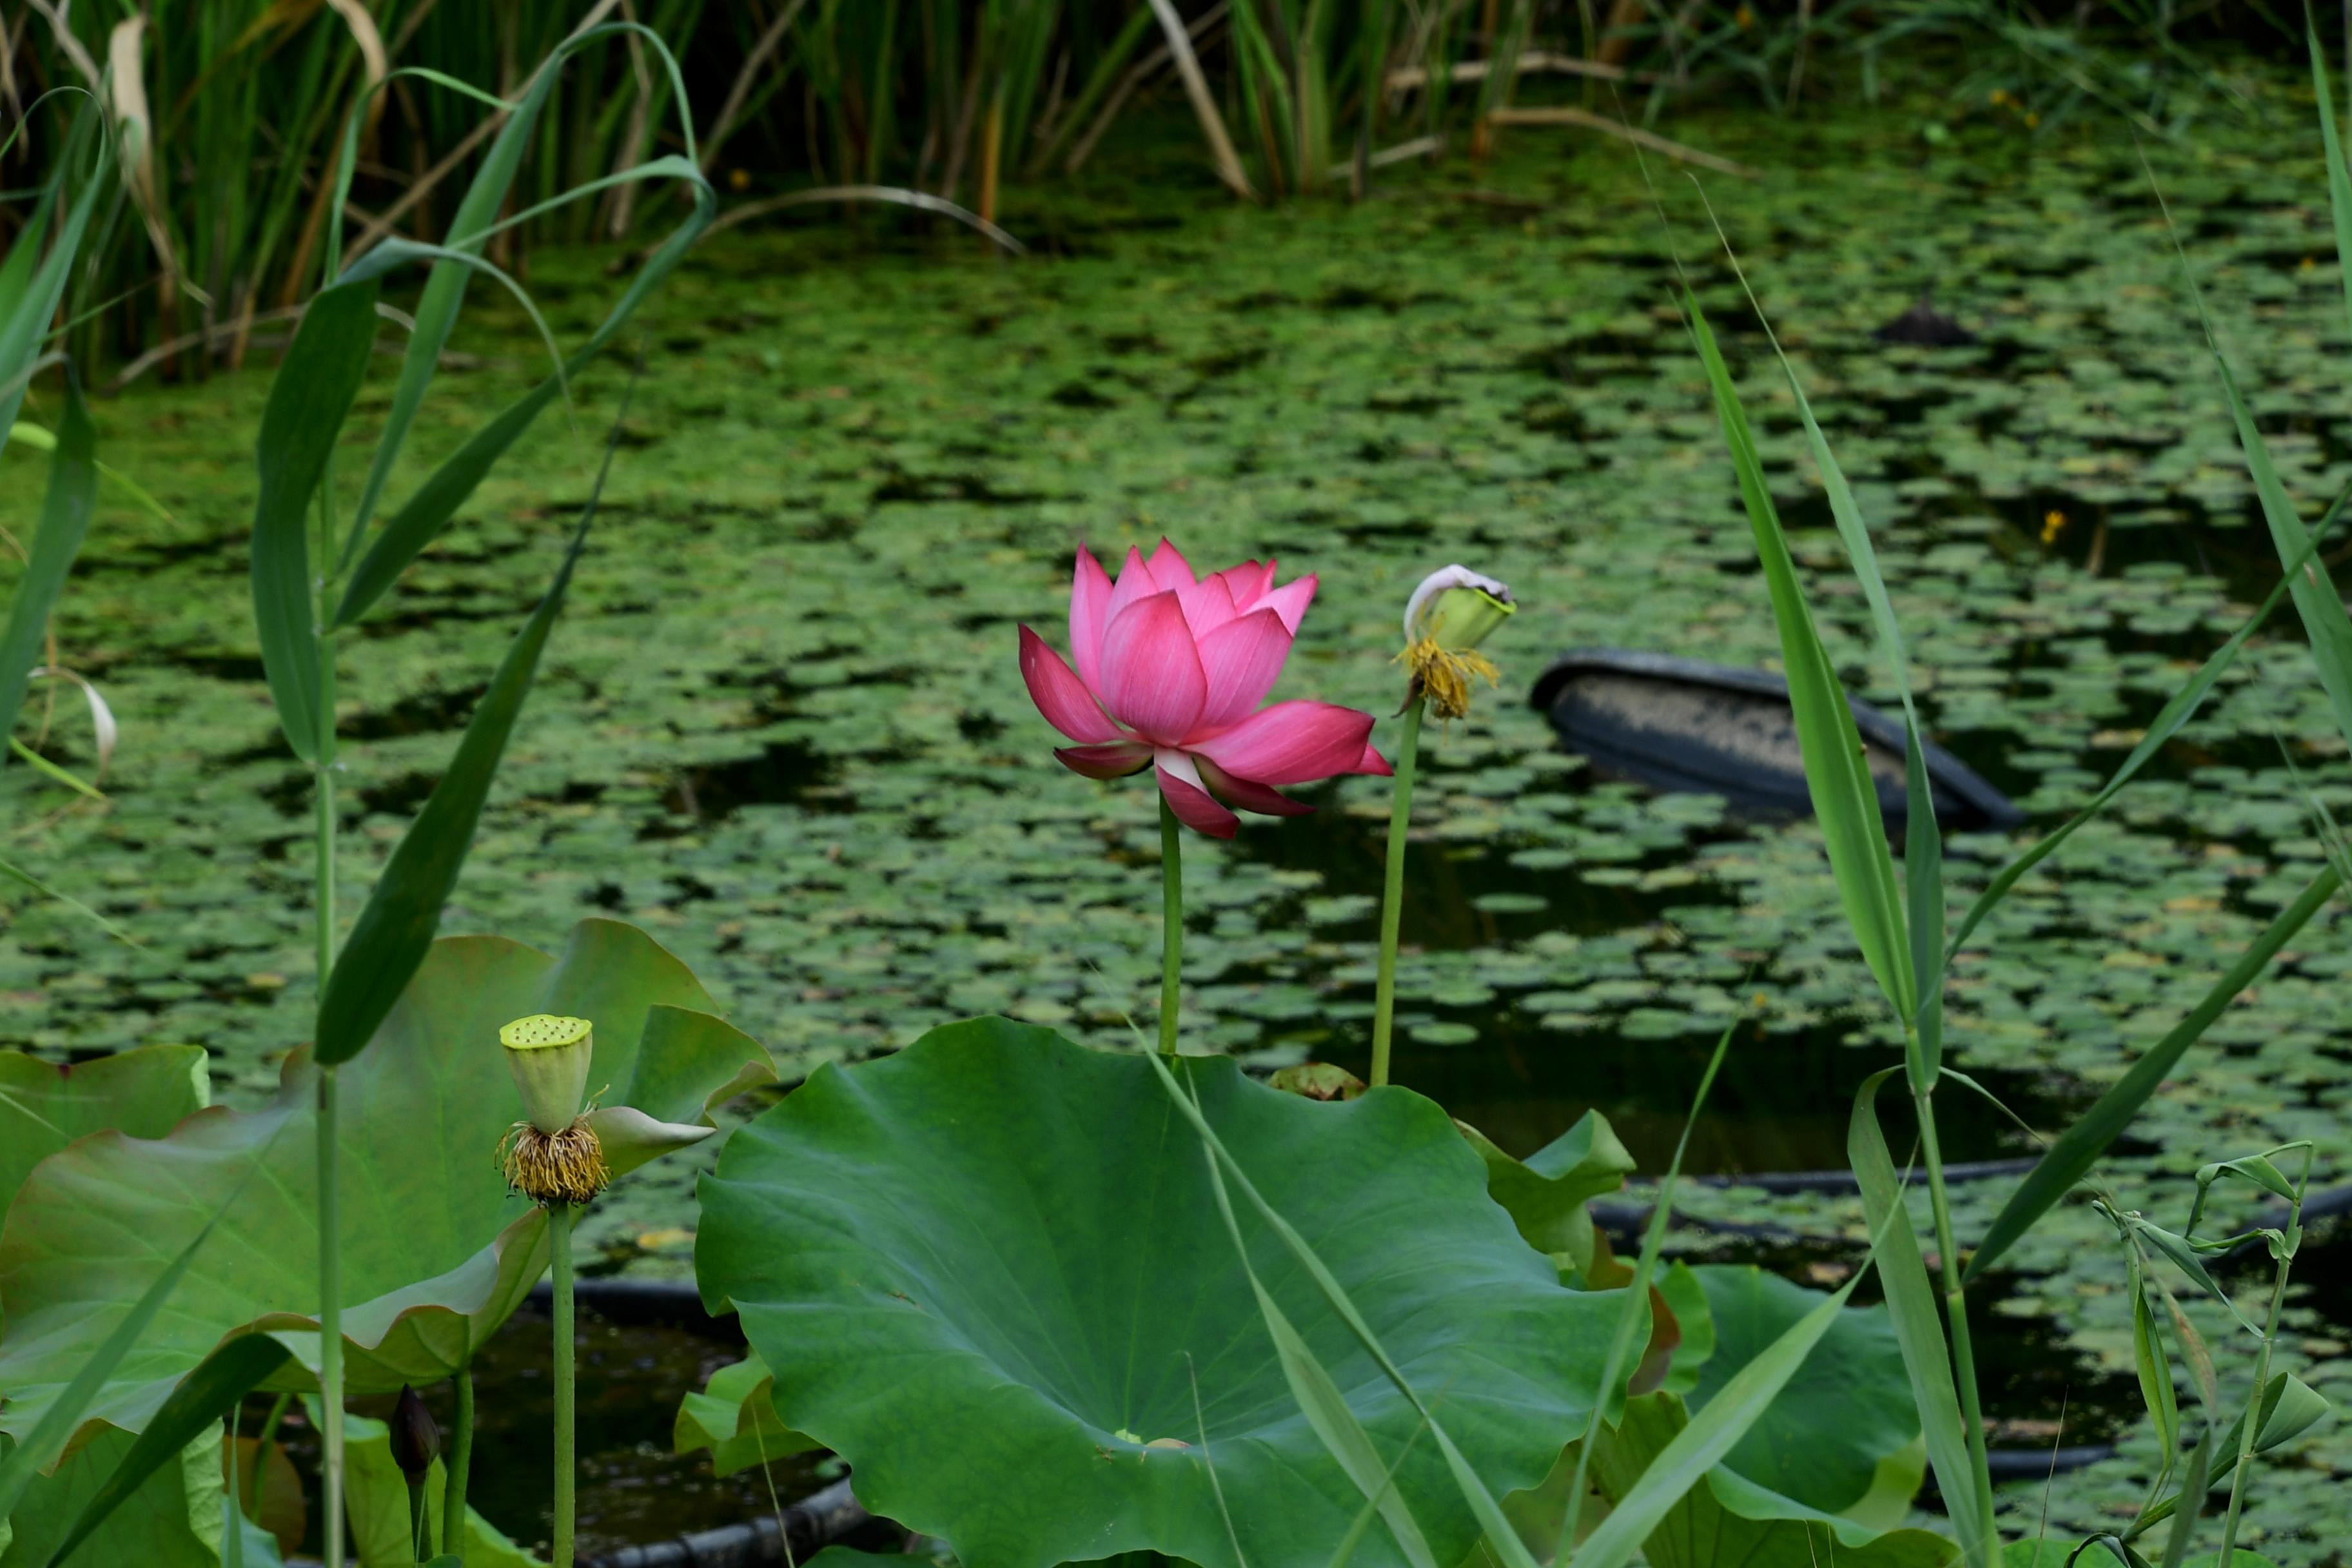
[(1956, 1311), (460, 1460), (1393, 891), (1172, 925), (559, 1237)]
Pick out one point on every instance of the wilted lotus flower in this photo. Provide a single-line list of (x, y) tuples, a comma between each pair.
[(552, 1155), (1171, 670), (1452, 611)]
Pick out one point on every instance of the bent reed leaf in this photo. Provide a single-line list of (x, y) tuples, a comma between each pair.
[(1501, 1537), (308, 401), (1846, 801), (2071, 1156), (57, 537), (403, 913), (1914, 1308), (201, 1401)]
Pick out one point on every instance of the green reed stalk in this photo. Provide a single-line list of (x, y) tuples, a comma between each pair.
[(558, 1236), (1392, 893), (331, 1241), (1956, 1307), (1171, 924), (2250, 1428), (461, 1461)]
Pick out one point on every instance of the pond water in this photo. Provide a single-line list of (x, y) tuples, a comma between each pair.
[(632, 1489), (781, 723)]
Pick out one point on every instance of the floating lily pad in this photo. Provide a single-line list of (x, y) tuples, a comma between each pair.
[(1033, 1226)]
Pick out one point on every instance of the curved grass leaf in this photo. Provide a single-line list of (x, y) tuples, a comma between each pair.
[(2170, 719), (475, 219), (57, 540), (202, 1398), (1319, 1399), (2324, 618), (1917, 1316), (2074, 1151), (16, 873), (41, 440), (40, 1448), (30, 289), (1633, 1316), (1699, 1446), (403, 911), (1844, 798), (427, 513), (309, 402), (1501, 1538)]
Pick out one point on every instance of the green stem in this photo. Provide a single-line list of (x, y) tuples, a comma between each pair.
[(1171, 924), (2249, 1427), (330, 1141), (1956, 1311), (330, 1317), (460, 1462), (558, 1236), (1392, 893)]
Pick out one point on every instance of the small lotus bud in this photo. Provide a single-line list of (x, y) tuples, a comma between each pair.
[(549, 1059), (1452, 611), (415, 1436), (1456, 608)]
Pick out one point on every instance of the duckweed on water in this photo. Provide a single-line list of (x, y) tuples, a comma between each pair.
[(786, 732)]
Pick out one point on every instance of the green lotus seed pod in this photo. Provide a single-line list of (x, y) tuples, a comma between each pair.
[(549, 1057), (1456, 608)]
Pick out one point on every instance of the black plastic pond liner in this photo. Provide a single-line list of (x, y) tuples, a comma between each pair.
[(829, 1518), (1688, 726)]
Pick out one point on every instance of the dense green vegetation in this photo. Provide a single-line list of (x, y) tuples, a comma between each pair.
[(780, 725)]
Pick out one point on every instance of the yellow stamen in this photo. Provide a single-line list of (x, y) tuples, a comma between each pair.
[(565, 1167), (1443, 675)]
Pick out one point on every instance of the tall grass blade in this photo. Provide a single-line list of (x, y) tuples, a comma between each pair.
[(10, 869), (1635, 1315), (47, 1440), (403, 911), (2170, 719), (1922, 886), (444, 289), (2339, 176), (201, 1400), (2076, 1149), (2315, 598), (34, 300), (1324, 1407), (57, 540), (309, 402), (1917, 1316), (421, 520), (1502, 1538), (1714, 1432), (1846, 800)]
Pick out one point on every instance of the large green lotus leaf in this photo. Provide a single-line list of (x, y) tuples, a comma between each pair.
[(734, 1417), (1544, 1193), (437, 1253), (1844, 1437), (173, 1520), (377, 1505), (1709, 1529), (990, 1272), (43, 1105)]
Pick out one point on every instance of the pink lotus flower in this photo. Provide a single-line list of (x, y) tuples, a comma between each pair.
[(1171, 670)]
